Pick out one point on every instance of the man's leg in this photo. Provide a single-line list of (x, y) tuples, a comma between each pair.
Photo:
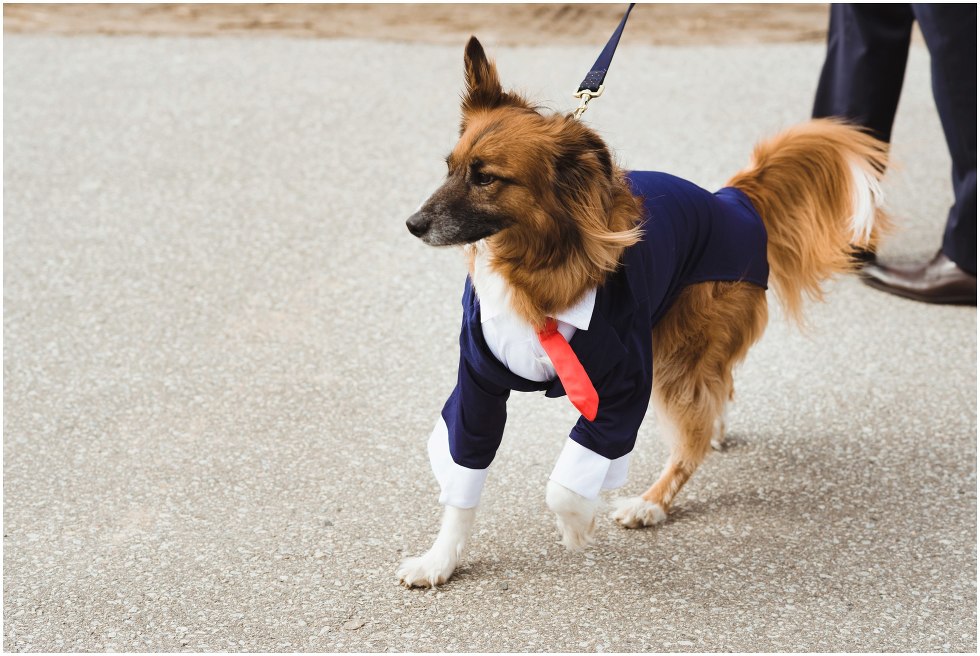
[(867, 50), (950, 33), (951, 276)]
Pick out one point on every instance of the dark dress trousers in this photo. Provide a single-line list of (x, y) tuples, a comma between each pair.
[(867, 50)]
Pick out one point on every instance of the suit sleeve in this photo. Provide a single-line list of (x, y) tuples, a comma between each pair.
[(596, 455), (466, 437)]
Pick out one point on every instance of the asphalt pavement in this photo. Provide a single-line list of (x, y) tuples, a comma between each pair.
[(223, 353)]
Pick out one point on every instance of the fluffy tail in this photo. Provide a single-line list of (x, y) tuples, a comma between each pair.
[(816, 186)]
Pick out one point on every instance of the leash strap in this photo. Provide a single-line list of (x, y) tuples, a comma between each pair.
[(591, 86), (593, 81)]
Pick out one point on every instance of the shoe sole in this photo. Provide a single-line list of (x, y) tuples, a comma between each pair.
[(922, 298)]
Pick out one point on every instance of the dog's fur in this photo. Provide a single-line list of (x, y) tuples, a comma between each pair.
[(555, 213)]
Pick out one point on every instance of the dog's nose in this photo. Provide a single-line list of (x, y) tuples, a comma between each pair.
[(418, 224)]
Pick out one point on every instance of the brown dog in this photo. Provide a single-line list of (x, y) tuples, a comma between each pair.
[(550, 219)]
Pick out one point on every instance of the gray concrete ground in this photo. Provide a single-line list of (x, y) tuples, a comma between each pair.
[(223, 353)]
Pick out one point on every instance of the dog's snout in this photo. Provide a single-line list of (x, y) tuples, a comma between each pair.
[(418, 224)]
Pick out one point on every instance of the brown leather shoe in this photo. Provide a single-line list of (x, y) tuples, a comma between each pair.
[(939, 281)]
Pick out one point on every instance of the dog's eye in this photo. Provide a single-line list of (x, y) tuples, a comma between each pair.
[(482, 179)]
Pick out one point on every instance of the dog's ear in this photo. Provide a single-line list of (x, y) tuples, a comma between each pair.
[(483, 90), (583, 157)]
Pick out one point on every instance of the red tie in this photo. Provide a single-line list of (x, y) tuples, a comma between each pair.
[(577, 385)]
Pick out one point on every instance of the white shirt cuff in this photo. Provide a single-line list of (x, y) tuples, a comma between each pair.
[(460, 486), (587, 473)]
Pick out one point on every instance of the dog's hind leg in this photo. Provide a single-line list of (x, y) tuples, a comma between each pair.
[(690, 435), (707, 331), (721, 423)]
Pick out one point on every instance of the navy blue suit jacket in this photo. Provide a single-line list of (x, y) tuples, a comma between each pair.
[(689, 235)]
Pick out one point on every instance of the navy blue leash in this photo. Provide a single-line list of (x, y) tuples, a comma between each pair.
[(591, 86)]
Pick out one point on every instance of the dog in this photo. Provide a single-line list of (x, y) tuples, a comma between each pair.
[(617, 289)]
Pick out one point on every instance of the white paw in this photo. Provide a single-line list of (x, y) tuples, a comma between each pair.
[(575, 516), (718, 434), (436, 565), (634, 512), (426, 571), (577, 532)]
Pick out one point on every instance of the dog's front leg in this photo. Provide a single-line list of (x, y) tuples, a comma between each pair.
[(575, 514), (436, 565)]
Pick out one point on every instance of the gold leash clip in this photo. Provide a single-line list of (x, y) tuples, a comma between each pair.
[(586, 95)]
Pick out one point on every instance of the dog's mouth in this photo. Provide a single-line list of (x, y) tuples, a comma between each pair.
[(436, 229)]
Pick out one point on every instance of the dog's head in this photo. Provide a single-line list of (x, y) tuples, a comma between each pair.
[(539, 179)]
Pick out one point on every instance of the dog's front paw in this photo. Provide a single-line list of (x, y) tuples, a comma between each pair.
[(636, 512), (426, 571), (575, 516), (577, 532)]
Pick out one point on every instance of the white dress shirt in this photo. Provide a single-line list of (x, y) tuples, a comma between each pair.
[(511, 339)]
